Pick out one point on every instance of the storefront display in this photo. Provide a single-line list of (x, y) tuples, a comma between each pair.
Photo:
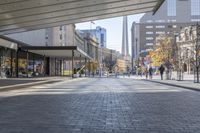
[(5, 62)]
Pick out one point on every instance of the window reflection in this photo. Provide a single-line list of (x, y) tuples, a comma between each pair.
[(6, 63)]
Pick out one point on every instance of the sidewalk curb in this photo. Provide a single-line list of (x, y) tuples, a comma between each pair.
[(174, 85), (20, 86)]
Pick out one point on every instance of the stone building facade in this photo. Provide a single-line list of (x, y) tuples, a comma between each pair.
[(187, 52)]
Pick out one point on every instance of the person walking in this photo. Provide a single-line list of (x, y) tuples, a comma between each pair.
[(146, 72), (128, 71), (150, 72), (161, 69)]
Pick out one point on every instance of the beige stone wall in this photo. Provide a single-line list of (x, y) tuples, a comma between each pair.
[(70, 34)]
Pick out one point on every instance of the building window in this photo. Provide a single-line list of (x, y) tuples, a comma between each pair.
[(195, 7), (195, 20), (46, 37), (174, 26), (149, 44), (169, 26), (102, 39), (60, 36), (149, 21), (160, 21), (149, 27), (160, 26), (60, 28), (173, 20), (149, 38), (171, 7), (149, 32), (160, 32)]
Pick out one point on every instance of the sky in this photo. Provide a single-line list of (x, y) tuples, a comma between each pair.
[(114, 29)]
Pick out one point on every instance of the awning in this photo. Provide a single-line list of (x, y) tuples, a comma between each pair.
[(25, 15), (8, 44), (64, 52)]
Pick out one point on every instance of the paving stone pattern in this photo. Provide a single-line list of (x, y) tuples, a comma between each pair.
[(106, 105), (8, 82)]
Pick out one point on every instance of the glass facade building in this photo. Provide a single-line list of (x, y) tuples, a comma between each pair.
[(7, 62), (18, 63), (195, 7), (30, 64), (171, 7)]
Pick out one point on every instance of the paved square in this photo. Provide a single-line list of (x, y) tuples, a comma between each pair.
[(105, 105)]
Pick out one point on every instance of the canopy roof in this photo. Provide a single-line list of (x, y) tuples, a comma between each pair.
[(57, 51), (25, 15)]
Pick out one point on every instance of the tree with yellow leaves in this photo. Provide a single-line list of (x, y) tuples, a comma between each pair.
[(163, 51)]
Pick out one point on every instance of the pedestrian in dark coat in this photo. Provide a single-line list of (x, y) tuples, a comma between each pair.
[(161, 69), (150, 72)]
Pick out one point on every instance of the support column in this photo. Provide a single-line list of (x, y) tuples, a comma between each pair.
[(55, 66), (89, 68), (44, 66), (60, 67), (27, 60), (17, 64), (11, 65), (85, 66), (72, 63), (80, 66), (34, 72)]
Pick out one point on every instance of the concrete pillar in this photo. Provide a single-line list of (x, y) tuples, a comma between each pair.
[(85, 66), (27, 56), (17, 64), (72, 63), (80, 65)]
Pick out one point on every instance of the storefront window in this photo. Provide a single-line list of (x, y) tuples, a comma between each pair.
[(2, 74), (35, 65), (13, 63), (5, 63), (22, 64), (39, 68)]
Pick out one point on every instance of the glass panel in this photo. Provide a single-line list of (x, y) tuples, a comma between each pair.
[(13, 64), (39, 67), (6, 63), (171, 7), (195, 7), (22, 64), (1, 63), (36, 67)]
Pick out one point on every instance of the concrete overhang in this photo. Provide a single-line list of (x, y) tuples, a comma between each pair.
[(64, 52), (25, 15)]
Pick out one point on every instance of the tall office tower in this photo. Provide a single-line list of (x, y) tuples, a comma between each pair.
[(99, 33), (171, 17), (125, 47)]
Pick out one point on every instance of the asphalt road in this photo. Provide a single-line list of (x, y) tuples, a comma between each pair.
[(106, 105)]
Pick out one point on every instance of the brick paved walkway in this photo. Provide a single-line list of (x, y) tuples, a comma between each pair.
[(100, 106)]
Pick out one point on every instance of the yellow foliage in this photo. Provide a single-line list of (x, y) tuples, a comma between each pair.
[(162, 52)]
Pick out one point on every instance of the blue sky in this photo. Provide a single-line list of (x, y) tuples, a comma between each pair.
[(114, 29)]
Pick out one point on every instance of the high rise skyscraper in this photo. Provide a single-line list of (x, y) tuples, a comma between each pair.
[(99, 33), (125, 46), (172, 16)]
